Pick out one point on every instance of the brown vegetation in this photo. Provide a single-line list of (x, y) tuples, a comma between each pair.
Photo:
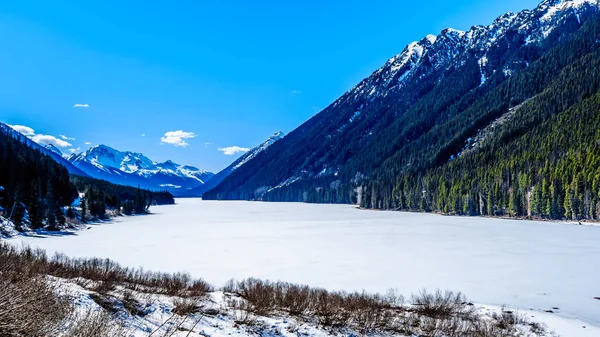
[(30, 306)]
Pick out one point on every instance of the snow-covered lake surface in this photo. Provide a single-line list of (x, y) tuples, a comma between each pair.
[(521, 264)]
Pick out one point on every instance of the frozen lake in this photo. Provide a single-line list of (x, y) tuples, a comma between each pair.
[(522, 264)]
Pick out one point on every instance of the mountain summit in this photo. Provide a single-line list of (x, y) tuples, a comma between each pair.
[(133, 169)]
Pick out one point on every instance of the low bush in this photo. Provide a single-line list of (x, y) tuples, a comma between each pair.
[(107, 273)]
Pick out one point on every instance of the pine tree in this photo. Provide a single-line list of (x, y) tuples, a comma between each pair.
[(83, 205), (34, 208)]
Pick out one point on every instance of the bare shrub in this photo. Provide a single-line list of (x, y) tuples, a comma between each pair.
[(106, 302), (93, 323), (28, 262), (440, 304), (242, 311), (132, 305), (30, 307), (230, 286), (186, 306), (508, 320), (293, 297)]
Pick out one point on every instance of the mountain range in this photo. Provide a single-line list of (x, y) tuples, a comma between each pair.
[(442, 125), (133, 169)]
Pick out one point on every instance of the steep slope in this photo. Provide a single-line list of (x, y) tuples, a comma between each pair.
[(133, 169), (219, 177), (423, 107), (49, 150), (53, 149)]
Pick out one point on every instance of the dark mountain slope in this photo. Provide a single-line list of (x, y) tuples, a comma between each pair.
[(444, 102), (246, 157), (49, 151), (418, 111)]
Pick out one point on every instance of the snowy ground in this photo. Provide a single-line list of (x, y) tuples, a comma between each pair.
[(158, 319), (522, 264)]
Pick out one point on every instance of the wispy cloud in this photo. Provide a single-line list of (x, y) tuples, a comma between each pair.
[(231, 150), (47, 139), (75, 150), (143, 135), (41, 139), (177, 138), (79, 105), (88, 143), (25, 130), (66, 138), (296, 92)]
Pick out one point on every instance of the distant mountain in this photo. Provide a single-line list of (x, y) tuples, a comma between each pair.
[(482, 121), (133, 169), (219, 177), (49, 150)]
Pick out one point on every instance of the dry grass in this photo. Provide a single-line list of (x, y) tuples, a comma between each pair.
[(95, 324), (186, 306), (429, 314), (29, 306), (106, 273)]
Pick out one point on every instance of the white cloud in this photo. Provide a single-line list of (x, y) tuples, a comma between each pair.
[(177, 137), (88, 143), (75, 150), (143, 135), (47, 139), (296, 92), (78, 105), (27, 131), (231, 150), (66, 138)]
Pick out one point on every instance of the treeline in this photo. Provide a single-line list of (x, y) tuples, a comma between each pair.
[(100, 195), (34, 186), (37, 192)]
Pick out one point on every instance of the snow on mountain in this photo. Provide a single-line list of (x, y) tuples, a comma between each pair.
[(451, 47), (219, 177), (133, 169), (252, 153), (53, 149)]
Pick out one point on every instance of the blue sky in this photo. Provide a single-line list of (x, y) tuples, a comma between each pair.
[(224, 73)]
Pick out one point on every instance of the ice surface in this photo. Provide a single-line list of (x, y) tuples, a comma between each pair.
[(522, 264)]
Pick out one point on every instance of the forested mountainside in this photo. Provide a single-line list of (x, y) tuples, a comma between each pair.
[(37, 192), (48, 150), (499, 120)]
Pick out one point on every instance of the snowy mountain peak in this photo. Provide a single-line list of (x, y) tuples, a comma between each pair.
[(131, 168), (53, 149), (451, 47), (277, 135), (125, 161)]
